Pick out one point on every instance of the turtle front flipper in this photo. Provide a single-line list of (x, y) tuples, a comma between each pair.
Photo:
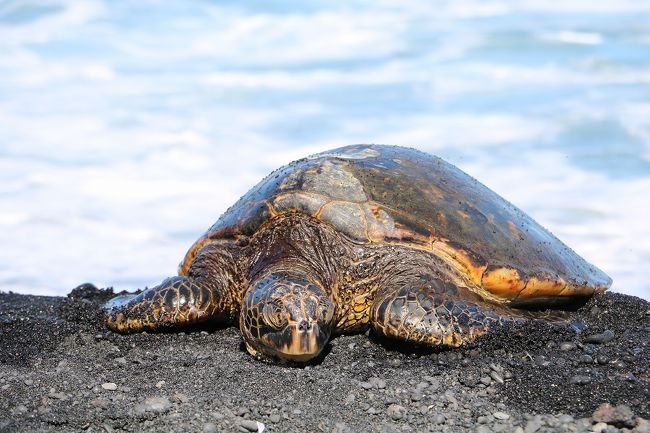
[(176, 301), (435, 312)]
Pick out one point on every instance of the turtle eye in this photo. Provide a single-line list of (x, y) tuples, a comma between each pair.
[(273, 315)]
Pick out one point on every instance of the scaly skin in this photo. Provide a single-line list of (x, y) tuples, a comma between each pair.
[(403, 294)]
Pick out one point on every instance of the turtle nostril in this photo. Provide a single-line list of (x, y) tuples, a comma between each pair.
[(304, 326)]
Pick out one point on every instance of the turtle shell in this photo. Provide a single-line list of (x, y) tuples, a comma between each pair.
[(394, 195)]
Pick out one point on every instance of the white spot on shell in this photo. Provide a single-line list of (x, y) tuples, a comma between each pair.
[(351, 153), (335, 181)]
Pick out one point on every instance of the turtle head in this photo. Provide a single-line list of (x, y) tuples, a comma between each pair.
[(286, 318)]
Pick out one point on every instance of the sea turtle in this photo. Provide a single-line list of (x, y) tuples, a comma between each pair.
[(363, 236)]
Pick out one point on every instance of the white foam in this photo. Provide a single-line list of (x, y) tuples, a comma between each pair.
[(573, 37), (121, 141)]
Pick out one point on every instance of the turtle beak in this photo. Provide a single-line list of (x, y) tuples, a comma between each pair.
[(299, 342)]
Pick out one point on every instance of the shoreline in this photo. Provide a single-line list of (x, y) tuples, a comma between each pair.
[(61, 370)]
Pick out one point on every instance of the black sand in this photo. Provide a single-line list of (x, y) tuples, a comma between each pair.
[(60, 370)]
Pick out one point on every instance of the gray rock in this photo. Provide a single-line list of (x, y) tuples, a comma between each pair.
[(439, 418), (153, 405), (598, 427), (533, 425), (486, 380), (496, 367), (579, 379), (241, 411), (583, 424), (619, 416), (57, 395), (501, 415), (642, 427), (469, 380), (567, 346), (109, 386), (497, 377), (366, 385), (587, 359), (209, 427), (603, 337), (252, 426), (274, 418), (179, 397), (395, 411), (377, 382), (541, 361)]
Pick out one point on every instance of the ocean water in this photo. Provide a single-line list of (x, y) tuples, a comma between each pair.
[(127, 128)]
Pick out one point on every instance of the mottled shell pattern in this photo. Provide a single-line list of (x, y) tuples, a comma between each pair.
[(394, 195)]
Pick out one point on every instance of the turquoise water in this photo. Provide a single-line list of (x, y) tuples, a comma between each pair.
[(126, 128)]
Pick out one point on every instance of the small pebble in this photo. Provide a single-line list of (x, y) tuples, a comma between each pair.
[(109, 386), (567, 346), (29, 382), (377, 382), (496, 376), (209, 427), (501, 415), (252, 426), (533, 425), (603, 337), (598, 427), (20, 409), (179, 397), (619, 416), (496, 367), (486, 380), (57, 395), (642, 427), (241, 411), (155, 405), (579, 379), (120, 360), (274, 418), (439, 418), (160, 384), (395, 411)]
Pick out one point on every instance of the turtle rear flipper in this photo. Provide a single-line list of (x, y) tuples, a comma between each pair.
[(434, 312), (176, 301)]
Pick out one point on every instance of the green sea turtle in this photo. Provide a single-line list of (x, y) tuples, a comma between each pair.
[(363, 236)]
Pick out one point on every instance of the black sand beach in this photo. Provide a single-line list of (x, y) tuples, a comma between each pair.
[(62, 371)]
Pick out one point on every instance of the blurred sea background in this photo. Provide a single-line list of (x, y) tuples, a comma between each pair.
[(127, 128)]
